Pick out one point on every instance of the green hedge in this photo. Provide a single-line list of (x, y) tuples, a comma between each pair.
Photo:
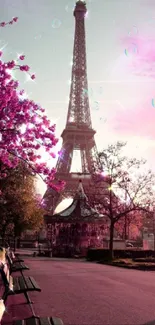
[(103, 254)]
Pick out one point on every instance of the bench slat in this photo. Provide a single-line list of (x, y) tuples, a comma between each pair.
[(19, 322), (16, 286), (45, 321), (17, 260), (23, 265), (28, 283), (40, 321), (34, 283), (20, 264), (22, 283), (18, 267), (56, 321), (32, 321)]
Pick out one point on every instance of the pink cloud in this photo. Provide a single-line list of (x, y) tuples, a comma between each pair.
[(140, 61), (138, 122), (141, 54)]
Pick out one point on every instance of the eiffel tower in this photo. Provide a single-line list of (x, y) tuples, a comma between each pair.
[(78, 133)]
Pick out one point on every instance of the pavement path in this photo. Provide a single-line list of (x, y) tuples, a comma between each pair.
[(84, 293)]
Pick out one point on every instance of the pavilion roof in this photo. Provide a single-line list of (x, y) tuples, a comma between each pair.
[(78, 211)]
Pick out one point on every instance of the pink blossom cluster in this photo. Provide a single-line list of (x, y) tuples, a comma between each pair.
[(24, 127), (14, 20)]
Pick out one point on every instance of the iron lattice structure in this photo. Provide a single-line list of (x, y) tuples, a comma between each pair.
[(78, 133)]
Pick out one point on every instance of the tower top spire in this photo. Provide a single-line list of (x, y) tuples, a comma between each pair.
[(80, 9), (80, 2)]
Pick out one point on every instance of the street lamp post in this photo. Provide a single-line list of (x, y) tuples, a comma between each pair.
[(52, 224), (154, 228), (126, 179), (125, 235), (153, 215)]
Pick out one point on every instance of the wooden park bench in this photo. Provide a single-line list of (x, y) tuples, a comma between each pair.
[(17, 259), (22, 284), (39, 321), (19, 285), (17, 266)]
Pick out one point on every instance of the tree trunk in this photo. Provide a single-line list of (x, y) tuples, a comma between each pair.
[(3, 240), (111, 241), (125, 226), (14, 248), (18, 242), (16, 235), (3, 234)]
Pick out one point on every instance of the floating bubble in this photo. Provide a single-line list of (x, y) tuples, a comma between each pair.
[(153, 102), (38, 37), (96, 106), (56, 23), (126, 52), (102, 119), (70, 7), (135, 49), (134, 30), (85, 92), (132, 50)]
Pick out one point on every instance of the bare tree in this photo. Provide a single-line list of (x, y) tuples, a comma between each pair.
[(120, 186), (130, 226)]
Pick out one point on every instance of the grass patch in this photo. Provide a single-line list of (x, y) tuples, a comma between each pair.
[(124, 261), (144, 264), (139, 264), (145, 260)]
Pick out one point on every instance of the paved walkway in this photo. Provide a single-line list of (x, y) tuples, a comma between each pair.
[(84, 293)]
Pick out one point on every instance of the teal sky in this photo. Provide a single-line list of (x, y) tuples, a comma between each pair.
[(44, 33)]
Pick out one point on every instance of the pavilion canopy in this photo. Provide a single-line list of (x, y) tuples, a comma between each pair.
[(78, 211)]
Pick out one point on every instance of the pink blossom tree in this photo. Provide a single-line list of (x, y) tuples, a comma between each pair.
[(24, 126)]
